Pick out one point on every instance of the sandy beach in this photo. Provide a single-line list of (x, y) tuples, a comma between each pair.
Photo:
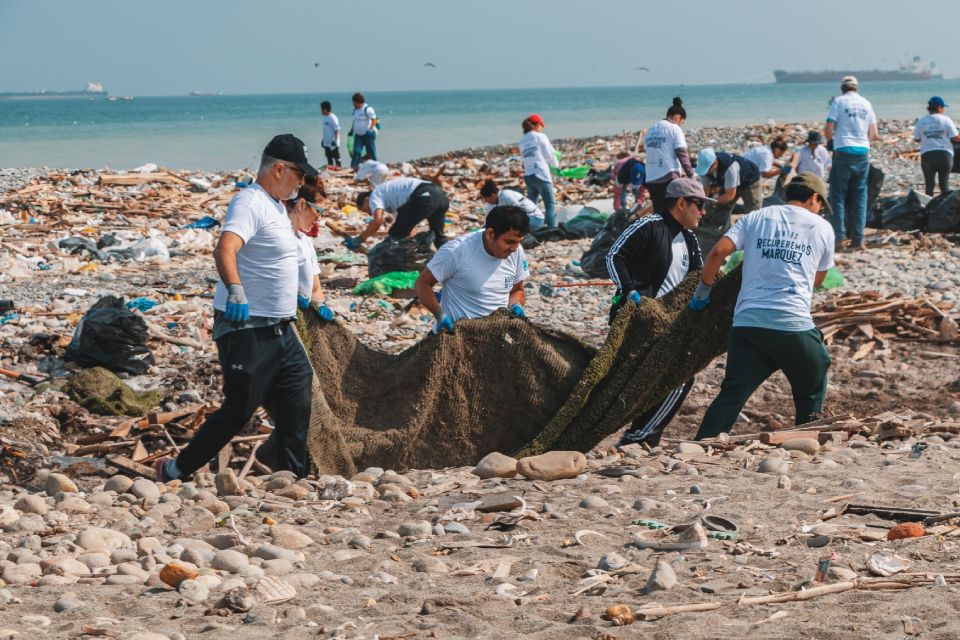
[(442, 553)]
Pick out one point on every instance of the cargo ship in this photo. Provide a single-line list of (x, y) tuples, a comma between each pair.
[(914, 70), (94, 90)]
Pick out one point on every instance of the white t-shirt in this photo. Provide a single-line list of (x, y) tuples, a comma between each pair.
[(816, 162), (934, 132), (852, 114), (331, 129), (362, 118), (393, 194), (307, 264), (538, 155), (679, 266), (509, 197), (661, 142), (475, 284), (762, 156), (267, 261), (377, 172), (784, 247)]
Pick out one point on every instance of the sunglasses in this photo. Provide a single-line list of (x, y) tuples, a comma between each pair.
[(698, 203), (293, 168)]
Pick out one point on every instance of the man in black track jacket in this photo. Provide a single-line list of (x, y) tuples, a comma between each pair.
[(649, 259)]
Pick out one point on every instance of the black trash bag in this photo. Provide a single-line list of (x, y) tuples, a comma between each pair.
[(400, 254), (552, 234), (956, 158), (111, 336), (875, 213), (594, 260), (874, 185), (599, 178), (584, 226), (943, 213), (909, 214), (78, 245)]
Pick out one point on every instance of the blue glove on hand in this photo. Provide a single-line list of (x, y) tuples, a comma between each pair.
[(303, 302), (701, 297), (517, 310), (633, 297), (353, 243), (444, 323), (238, 310), (325, 313), (786, 170)]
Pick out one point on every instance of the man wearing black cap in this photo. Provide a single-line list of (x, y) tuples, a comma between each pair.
[(649, 259), (813, 157), (787, 250), (255, 301)]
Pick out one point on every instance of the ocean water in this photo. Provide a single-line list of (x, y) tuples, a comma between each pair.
[(228, 132)]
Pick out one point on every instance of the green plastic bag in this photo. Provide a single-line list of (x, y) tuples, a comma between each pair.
[(574, 173), (734, 261), (350, 145), (833, 280), (386, 283)]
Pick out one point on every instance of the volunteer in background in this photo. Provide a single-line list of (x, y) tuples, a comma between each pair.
[(494, 196), (936, 134), (667, 158), (412, 201), (331, 134), (538, 156), (813, 157), (363, 130), (851, 125), (480, 272), (730, 177), (304, 211), (649, 259), (254, 303), (766, 156), (787, 250)]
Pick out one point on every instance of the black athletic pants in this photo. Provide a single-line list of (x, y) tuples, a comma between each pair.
[(427, 202), (936, 164), (658, 195), (267, 365), (648, 428), (333, 155)]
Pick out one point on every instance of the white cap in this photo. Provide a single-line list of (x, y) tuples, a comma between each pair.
[(849, 81)]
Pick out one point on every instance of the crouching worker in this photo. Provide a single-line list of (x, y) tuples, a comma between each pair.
[(304, 210), (479, 272), (411, 200), (787, 250), (255, 302), (493, 195), (649, 259)]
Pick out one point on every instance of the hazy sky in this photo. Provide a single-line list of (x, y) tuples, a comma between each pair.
[(271, 46)]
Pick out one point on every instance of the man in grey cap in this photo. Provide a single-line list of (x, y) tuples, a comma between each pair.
[(649, 259), (787, 250), (263, 362), (851, 125)]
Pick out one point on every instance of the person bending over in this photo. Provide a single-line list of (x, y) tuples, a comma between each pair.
[(411, 200)]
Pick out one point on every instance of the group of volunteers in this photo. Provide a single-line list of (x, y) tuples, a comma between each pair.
[(268, 268)]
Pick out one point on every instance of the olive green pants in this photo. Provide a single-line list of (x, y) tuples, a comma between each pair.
[(755, 354)]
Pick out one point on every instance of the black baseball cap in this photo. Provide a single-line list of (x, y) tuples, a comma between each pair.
[(290, 148)]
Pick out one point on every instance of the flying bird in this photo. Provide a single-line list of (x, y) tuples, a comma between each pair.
[(640, 69), (316, 65), (430, 64)]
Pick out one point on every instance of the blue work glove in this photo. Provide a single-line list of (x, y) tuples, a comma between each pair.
[(325, 313), (444, 322), (701, 297), (634, 297), (786, 170), (238, 310), (353, 243), (303, 302), (517, 310)]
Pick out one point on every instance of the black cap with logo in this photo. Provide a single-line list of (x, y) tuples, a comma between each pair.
[(290, 148)]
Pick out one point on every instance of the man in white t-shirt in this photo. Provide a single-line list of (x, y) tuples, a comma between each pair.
[(255, 301), (813, 156), (493, 195), (331, 134), (412, 201), (787, 250), (851, 125), (363, 130), (479, 272), (767, 156), (936, 134), (373, 171)]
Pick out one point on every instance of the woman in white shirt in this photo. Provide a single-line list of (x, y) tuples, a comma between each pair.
[(538, 156), (936, 134), (813, 157), (304, 210), (667, 156)]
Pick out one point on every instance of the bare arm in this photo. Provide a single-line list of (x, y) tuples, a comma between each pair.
[(316, 295), (874, 133), (718, 254), (225, 256), (819, 279), (373, 226), (828, 130), (373, 123), (727, 196), (425, 293), (955, 138), (517, 296)]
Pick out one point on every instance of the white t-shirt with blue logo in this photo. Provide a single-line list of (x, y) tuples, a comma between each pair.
[(760, 155), (538, 155), (661, 143), (475, 284), (934, 132), (784, 247), (852, 115)]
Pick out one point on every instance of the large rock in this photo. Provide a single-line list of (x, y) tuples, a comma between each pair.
[(289, 537), (143, 488), (32, 503), (57, 482), (227, 484), (663, 577), (97, 539), (496, 465), (806, 445), (553, 465)]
